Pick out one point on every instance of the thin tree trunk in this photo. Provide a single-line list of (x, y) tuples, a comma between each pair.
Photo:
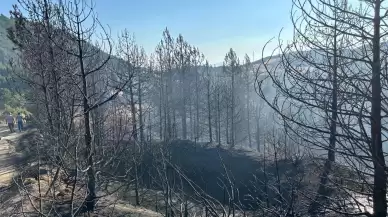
[(191, 123), (91, 194), (218, 118), (227, 125), (183, 109), (137, 197), (133, 111), (91, 183), (196, 105), (323, 191), (168, 109), (249, 116), (379, 176), (232, 134), (258, 133), (166, 116), (184, 89), (209, 112), (161, 112), (174, 124), (141, 118), (149, 126)]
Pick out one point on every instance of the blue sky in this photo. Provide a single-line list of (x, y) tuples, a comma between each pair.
[(212, 25)]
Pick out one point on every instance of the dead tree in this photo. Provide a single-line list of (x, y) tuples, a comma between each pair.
[(90, 60), (328, 75), (209, 78), (232, 70), (248, 74), (183, 57)]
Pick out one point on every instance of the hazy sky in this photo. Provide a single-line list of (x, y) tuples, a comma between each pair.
[(212, 25)]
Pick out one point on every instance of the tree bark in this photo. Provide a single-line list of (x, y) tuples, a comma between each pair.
[(133, 111), (183, 109), (91, 194), (141, 118), (323, 191), (196, 104), (209, 110), (379, 176), (249, 116), (232, 134)]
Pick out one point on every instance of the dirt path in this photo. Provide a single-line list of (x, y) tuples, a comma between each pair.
[(9, 159), (15, 202)]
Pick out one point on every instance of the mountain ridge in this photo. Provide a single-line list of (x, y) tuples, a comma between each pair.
[(7, 47)]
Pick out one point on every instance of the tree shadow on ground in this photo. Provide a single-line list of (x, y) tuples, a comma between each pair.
[(255, 182), (218, 172)]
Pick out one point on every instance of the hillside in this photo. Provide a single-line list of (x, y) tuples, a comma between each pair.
[(5, 44), (6, 52), (11, 100)]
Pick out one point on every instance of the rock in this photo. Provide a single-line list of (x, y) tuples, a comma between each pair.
[(45, 177), (61, 194), (29, 181)]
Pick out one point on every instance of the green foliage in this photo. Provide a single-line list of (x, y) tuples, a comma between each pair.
[(6, 46), (13, 102)]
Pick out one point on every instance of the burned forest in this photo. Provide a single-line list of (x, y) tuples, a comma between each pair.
[(114, 128)]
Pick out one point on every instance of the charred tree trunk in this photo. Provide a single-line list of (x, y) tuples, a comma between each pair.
[(161, 110), (141, 118), (232, 133), (227, 125), (323, 190), (218, 118), (183, 109), (133, 111), (209, 111), (196, 104), (379, 175), (249, 116), (91, 191)]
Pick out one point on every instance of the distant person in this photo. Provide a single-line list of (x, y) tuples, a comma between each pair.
[(19, 118), (10, 120)]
